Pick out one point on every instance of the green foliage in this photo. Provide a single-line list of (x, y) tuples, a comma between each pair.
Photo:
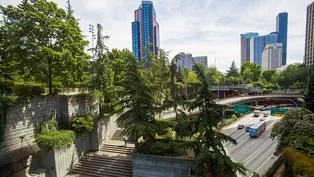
[(43, 44), (192, 78), (294, 76), (83, 125), (233, 71), (5, 104), (28, 89), (163, 148), (268, 75), (297, 163), (50, 138), (309, 97), (296, 130), (250, 71)]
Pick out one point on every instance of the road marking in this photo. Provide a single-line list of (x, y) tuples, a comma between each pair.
[(263, 163), (259, 147)]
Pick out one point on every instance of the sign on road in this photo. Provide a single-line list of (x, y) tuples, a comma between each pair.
[(280, 112), (241, 109)]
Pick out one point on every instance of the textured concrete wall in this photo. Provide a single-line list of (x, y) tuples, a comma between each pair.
[(159, 166)]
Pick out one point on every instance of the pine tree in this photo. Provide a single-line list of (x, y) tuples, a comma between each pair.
[(233, 71), (211, 158), (309, 97), (69, 8)]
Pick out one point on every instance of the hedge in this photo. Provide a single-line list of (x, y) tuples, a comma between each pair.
[(297, 163), (28, 89)]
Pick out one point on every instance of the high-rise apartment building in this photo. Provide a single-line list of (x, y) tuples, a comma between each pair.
[(187, 61), (282, 30), (145, 31), (257, 45), (245, 46), (309, 36), (272, 56)]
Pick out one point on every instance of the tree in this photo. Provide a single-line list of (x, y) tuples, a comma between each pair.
[(233, 71), (214, 76), (309, 97), (48, 41), (211, 158), (296, 130), (251, 71), (292, 74), (70, 11), (138, 106), (268, 75)]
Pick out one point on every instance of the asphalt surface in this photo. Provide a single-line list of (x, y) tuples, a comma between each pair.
[(256, 154)]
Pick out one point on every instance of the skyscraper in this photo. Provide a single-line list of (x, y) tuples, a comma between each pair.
[(309, 45), (282, 29), (145, 31), (257, 45), (245, 46), (272, 56)]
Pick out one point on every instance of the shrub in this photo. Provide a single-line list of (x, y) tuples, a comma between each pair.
[(233, 116), (163, 148), (168, 134), (83, 125), (297, 163), (28, 89), (50, 138), (55, 139)]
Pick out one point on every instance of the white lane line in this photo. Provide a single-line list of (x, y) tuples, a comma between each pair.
[(259, 147), (263, 163)]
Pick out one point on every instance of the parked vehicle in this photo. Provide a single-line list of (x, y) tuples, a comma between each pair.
[(241, 126), (257, 129)]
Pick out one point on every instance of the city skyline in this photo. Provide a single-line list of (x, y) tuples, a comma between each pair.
[(211, 30)]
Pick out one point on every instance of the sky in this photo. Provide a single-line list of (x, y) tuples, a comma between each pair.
[(209, 28)]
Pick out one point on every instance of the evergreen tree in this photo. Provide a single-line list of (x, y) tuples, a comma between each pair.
[(211, 158), (69, 8), (233, 71), (309, 97)]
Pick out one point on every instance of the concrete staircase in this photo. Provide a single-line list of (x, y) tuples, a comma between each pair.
[(110, 161)]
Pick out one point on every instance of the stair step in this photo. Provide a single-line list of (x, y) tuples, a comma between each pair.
[(101, 158), (102, 162), (104, 171), (115, 167), (117, 146), (118, 152), (88, 173)]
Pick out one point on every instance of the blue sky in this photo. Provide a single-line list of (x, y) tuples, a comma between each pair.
[(199, 27)]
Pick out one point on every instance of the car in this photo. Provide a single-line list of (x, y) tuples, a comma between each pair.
[(263, 109), (241, 126), (262, 119), (266, 114), (247, 129)]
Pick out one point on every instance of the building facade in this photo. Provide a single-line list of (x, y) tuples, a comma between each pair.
[(282, 29), (245, 46), (257, 46), (309, 35), (187, 61), (272, 56), (145, 31)]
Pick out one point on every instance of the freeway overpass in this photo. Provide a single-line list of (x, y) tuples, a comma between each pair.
[(251, 100)]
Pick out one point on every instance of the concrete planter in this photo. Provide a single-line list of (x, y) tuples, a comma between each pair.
[(160, 166)]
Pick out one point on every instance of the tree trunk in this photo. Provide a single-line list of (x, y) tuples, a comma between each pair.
[(50, 75)]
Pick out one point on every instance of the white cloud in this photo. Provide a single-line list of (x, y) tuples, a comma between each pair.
[(202, 27)]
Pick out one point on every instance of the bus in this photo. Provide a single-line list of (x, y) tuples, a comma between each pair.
[(257, 129)]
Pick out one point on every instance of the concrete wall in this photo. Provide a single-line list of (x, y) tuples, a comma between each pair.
[(159, 166)]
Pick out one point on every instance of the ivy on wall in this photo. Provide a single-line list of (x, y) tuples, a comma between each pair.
[(5, 103)]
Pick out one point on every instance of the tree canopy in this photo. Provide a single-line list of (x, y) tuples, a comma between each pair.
[(250, 71), (233, 70), (309, 97)]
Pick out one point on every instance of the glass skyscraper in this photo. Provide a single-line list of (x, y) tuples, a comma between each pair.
[(245, 46), (282, 29), (257, 45), (145, 31)]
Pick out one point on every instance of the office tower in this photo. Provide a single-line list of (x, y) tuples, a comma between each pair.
[(145, 31), (257, 45), (187, 61), (282, 29), (245, 46), (309, 31), (272, 56)]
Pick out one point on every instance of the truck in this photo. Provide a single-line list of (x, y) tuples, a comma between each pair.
[(257, 129)]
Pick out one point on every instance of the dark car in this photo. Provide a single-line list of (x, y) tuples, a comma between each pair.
[(247, 129), (267, 108), (241, 126)]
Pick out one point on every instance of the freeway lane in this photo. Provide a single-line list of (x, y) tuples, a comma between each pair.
[(255, 153)]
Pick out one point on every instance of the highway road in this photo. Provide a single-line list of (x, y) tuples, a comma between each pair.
[(256, 154)]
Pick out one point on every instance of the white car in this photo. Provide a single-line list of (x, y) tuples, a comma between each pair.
[(262, 119)]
